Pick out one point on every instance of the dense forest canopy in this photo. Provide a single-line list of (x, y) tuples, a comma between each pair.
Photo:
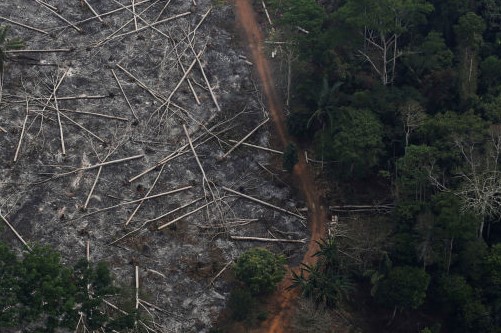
[(407, 93)]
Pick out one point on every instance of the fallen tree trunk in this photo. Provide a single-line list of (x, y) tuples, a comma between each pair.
[(273, 240), (263, 203)]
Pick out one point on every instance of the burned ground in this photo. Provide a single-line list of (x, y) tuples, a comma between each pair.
[(57, 198)]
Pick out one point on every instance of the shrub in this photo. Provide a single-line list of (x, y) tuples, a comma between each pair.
[(260, 270)]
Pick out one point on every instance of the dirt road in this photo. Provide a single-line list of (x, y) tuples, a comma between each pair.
[(283, 300)]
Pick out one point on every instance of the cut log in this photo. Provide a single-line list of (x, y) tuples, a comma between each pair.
[(61, 135), (134, 13), (22, 131), (98, 165), (94, 114), (246, 137), (267, 14), (260, 147), (23, 25), (93, 11), (157, 272), (38, 51), (123, 93), (151, 25), (214, 99), (263, 203), (272, 240), (81, 126), (93, 186), (135, 201), (162, 11), (183, 216), (220, 272), (137, 287), (110, 12), (195, 153), (147, 194), (15, 232), (173, 211), (51, 9)]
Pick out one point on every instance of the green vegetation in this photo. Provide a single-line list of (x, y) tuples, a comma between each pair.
[(39, 294), (324, 282), (404, 288), (260, 270), (405, 94), (257, 272)]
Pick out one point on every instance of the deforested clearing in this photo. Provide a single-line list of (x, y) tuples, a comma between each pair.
[(121, 127)]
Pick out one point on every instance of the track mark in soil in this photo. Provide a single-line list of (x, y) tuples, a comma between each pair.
[(281, 304)]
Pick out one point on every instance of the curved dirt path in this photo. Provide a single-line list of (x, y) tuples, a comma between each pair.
[(283, 299)]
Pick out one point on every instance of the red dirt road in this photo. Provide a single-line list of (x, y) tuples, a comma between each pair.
[(282, 300)]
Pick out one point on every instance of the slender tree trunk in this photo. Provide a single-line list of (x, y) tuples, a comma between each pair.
[(450, 255), (394, 59), (481, 229), (384, 71), (392, 316)]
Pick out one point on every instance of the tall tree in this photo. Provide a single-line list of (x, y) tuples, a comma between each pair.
[(355, 141), (404, 288), (480, 177), (469, 38), (382, 23)]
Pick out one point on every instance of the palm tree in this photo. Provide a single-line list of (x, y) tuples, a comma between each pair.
[(327, 252), (7, 44), (323, 282), (323, 115), (325, 105)]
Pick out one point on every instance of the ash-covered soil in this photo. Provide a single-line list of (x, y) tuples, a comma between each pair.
[(73, 99)]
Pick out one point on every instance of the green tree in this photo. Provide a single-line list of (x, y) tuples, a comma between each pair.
[(307, 14), (324, 282), (9, 287), (490, 70), (445, 131), (260, 270), (446, 14), (432, 54), (40, 294), (469, 36), (382, 23), (355, 141), (492, 269), (404, 288), (93, 283), (323, 117), (413, 173), (46, 288)]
